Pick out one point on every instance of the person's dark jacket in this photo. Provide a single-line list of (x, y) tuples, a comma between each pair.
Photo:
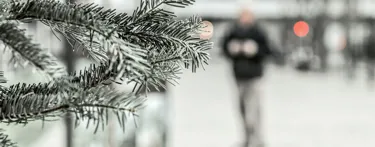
[(247, 67)]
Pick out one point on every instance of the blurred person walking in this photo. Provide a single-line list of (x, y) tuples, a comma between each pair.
[(246, 46)]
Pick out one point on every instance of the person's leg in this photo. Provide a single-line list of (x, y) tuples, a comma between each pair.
[(242, 89), (254, 114)]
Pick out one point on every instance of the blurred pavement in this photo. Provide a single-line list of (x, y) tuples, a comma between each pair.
[(300, 110)]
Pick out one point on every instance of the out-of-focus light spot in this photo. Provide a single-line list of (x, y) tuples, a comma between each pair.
[(301, 28), (234, 47), (207, 31), (250, 47)]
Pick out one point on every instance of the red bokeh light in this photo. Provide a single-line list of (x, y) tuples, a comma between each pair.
[(301, 28)]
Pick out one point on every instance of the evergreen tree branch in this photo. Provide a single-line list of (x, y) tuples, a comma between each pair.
[(65, 18), (55, 11), (147, 8), (147, 48), (97, 75), (136, 36), (5, 141), (174, 37), (92, 104), (71, 21), (23, 50), (163, 40)]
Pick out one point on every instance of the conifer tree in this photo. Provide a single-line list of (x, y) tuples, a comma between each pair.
[(145, 47)]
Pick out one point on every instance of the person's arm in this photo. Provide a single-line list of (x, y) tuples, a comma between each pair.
[(264, 47)]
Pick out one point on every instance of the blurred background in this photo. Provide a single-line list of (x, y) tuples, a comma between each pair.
[(317, 92)]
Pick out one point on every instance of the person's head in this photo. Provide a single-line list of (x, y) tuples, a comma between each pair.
[(246, 17)]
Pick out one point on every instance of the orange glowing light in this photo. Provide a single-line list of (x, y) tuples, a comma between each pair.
[(301, 28)]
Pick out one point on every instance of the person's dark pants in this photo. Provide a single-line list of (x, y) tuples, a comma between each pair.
[(250, 107)]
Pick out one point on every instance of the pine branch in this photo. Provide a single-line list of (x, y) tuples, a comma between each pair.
[(71, 21), (62, 17), (23, 50), (4, 141), (55, 11), (74, 18), (92, 104), (174, 37), (92, 77), (97, 75), (147, 48), (94, 14), (147, 7), (106, 15), (169, 43)]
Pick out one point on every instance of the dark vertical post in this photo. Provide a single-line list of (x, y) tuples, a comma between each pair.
[(70, 59)]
